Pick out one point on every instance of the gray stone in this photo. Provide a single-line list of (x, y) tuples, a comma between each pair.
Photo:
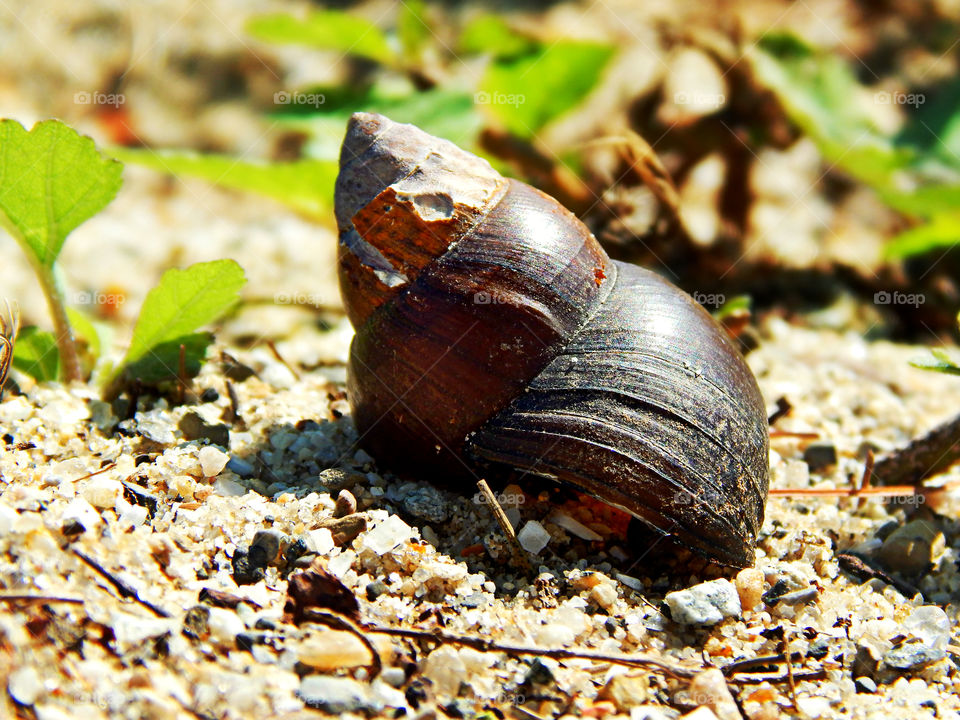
[(912, 656), (428, 504), (820, 456), (336, 694), (865, 685), (704, 604)]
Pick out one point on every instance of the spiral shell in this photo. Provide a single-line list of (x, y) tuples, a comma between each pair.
[(494, 334)]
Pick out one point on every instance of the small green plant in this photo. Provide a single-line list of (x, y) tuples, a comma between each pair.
[(51, 180)]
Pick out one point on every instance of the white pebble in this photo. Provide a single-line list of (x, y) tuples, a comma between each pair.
[(387, 535), (212, 460), (224, 625), (8, 516), (533, 537), (102, 492), (228, 488), (24, 685), (705, 604)]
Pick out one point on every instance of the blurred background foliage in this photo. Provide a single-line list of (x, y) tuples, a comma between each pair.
[(813, 148)]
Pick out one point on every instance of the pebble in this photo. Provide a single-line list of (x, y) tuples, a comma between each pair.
[(626, 691), (573, 526), (346, 504), (394, 676), (265, 547), (749, 582), (228, 488), (333, 649), (911, 548), (929, 624), (428, 504), (604, 595), (813, 707), (386, 535), (241, 467), (102, 492), (705, 604), (336, 694), (709, 688), (533, 537), (865, 685), (224, 625), (25, 685), (212, 460), (79, 511), (820, 456), (912, 656)]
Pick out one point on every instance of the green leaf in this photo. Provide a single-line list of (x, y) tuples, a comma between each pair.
[(326, 30), (733, 305), (163, 360), (36, 354), (489, 34), (941, 232), (51, 180), (182, 302), (304, 185), (940, 361), (528, 92)]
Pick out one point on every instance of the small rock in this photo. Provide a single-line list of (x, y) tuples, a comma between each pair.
[(912, 656), (337, 478), (911, 548), (228, 488), (573, 526), (346, 504), (820, 456), (428, 504), (195, 622), (376, 589), (710, 688), (387, 535), (320, 541), (813, 707), (25, 685), (102, 492), (929, 624), (240, 467), (533, 537), (194, 427), (212, 460), (335, 694), (333, 649), (604, 595), (224, 625), (705, 604), (626, 691), (749, 582), (865, 685), (247, 570), (394, 676), (80, 512), (539, 673), (153, 426), (266, 543)]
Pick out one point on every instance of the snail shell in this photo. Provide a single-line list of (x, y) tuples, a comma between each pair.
[(494, 334)]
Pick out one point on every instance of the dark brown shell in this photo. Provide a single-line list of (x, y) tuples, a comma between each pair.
[(493, 332)]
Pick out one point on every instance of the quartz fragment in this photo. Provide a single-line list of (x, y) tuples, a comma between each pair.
[(386, 535), (705, 604), (212, 460), (533, 537)]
